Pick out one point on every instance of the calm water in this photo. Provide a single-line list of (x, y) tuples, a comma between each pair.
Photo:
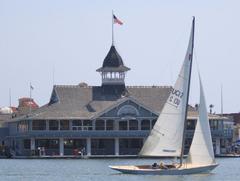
[(97, 169)]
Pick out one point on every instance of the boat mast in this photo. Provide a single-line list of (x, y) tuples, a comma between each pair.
[(188, 90)]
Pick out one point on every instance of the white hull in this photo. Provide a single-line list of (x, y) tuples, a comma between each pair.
[(148, 170)]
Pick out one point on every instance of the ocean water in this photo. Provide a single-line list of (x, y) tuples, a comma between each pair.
[(97, 170)]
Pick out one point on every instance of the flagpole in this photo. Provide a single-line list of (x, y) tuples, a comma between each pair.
[(112, 30), (10, 98), (30, 105), (221, 100), (30, 90)]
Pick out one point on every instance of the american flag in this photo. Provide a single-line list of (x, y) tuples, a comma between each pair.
[(116, 20)]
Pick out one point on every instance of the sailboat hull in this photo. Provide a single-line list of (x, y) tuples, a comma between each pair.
[(148, 170)]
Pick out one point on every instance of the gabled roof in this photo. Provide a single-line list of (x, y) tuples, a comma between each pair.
[(113, 62), (76, 102)]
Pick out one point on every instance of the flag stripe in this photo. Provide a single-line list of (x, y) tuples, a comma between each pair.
[(116, 20)]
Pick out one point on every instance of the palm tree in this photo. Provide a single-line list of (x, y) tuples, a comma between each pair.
[(211, 107)]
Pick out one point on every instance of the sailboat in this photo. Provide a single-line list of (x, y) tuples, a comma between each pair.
[(166, 139)]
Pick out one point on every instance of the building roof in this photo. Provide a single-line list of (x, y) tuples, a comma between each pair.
[(76, 102), (113, 62), (89, 102)]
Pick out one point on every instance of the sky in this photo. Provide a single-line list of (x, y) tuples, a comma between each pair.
[(63, 42)]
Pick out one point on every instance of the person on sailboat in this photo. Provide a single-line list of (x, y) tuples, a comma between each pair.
[(162, 166)]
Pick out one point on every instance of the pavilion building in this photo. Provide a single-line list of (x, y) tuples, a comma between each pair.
[(108, 120)]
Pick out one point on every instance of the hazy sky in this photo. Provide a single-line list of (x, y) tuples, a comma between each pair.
[(72, 37)]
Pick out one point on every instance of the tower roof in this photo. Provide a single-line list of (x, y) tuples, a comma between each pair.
[(113, 62)]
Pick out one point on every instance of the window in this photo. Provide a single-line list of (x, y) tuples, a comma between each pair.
[(100, 125), (64, 125), (213, 124), (47, 143), (27, 143), (77, 125), (128, 110), (87, 125), (110, 125), (82, 125), (53, 125), (133, 125), (145, 125), (22, 126), (123, 125), (39, 125)]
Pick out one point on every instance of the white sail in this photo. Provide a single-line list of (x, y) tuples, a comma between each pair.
[(201, 150), (166, 136)]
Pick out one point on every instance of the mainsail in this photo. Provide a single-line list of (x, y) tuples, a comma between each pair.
[(201, 150), (166, 136)]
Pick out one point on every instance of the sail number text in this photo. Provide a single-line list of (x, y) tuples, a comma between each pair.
[(175, 97)]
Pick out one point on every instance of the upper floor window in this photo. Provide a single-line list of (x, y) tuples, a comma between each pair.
[(53, 125), (39, 125), (22, 126), (128, 110), (82, 125), (64, 125), (133, 124), (123, 125), (100, 125), (110, 125), (145, 124)]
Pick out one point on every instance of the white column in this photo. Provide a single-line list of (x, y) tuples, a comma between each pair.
[(70, 124), (32, 143), (47, 124), (116, 146), (218, 146), (139, 124), (88, 146), (61, 146)]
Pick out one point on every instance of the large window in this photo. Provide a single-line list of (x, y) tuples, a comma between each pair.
[(22, 126), (87, 125), (39, 125), (47, 143), (145, 125), (102, 147), (64, 125), (53, 125), (133, 125), (27, 143), (213, 124), (130, 146), (82, 125), (123, 125), (77, 125), (110, 125), (100, 125)]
